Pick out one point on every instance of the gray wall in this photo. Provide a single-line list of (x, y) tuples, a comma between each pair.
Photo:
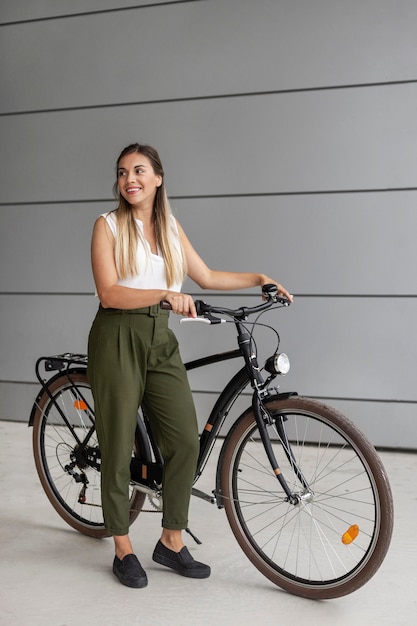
[(288, 133)]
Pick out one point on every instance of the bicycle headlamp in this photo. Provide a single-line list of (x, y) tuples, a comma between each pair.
[(278, 364)]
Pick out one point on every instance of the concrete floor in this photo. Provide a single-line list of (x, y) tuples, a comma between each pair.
[(51, 575)]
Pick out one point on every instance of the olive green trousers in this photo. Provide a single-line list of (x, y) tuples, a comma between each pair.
[(133, 361)]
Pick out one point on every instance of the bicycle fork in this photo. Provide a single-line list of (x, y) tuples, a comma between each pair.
[(263, 419)]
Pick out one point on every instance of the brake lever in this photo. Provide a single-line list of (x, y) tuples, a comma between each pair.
[(203, 312), (208, 319)]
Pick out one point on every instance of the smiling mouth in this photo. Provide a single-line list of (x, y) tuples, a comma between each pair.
[(133, 189)]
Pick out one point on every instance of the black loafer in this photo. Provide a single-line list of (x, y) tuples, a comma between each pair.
[(129, 571), (181, 562)]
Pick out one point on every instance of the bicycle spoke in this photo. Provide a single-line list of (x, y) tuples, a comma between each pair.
[(326, 533), (67, 455)]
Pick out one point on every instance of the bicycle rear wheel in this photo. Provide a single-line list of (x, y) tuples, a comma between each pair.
[(67, 456), (335, 538)]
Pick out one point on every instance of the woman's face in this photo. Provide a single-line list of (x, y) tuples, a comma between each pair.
[(137, 180)]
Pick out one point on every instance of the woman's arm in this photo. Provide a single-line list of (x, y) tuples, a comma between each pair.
[(112, 295), (206, 278)]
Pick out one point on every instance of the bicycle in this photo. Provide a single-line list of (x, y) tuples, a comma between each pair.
[(318, 523)]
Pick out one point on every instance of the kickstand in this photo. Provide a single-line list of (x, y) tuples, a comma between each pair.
[(196, 539)]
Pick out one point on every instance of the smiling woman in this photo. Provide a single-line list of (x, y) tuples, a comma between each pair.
[(137, 182), (140, 256), (139, 188)]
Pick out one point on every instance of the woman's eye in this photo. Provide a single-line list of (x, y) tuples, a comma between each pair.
[(121, 173), (139, 170)]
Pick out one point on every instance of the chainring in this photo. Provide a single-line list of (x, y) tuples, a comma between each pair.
[(155, 500)]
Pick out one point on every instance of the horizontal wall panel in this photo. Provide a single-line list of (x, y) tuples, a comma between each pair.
[(17, 400), (385, 424), (34, 326), (316, 244), (339, 347), (16, 10), (388, 425), (200, 49), (339, 140), (49, 251)]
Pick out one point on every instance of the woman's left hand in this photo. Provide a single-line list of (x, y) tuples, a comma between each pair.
[(282, 292)]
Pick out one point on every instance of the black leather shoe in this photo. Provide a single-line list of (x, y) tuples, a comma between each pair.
[(181, 562), (129, 571)]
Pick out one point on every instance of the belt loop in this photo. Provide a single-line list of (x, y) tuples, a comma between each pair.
[(154, 310)]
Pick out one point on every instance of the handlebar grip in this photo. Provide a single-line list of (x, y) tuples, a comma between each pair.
[(200, 305)]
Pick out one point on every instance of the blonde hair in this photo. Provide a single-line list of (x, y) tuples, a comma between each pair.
[(128, 234)]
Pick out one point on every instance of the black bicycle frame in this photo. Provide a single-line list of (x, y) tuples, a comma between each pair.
[(218, 413), (248, 374), (69, 364)]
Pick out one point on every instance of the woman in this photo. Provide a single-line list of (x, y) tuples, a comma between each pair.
[(140, 256)]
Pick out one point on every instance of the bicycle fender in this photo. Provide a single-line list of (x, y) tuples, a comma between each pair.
[(43, 390), (34, 407)]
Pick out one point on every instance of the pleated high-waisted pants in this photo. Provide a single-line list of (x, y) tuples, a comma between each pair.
[(134, 360)]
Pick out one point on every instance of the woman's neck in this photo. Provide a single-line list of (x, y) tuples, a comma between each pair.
[(145, 215)]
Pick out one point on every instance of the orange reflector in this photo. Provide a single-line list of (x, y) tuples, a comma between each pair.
[(350, 535), (80, 405)]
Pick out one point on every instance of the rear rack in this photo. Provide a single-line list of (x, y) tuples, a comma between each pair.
[(68, 363), (59, 363), (62, 361)]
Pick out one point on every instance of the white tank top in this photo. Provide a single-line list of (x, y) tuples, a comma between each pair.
[(151, 266)]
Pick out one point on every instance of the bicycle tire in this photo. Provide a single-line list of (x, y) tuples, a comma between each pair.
[(335, 539), (58, 461)]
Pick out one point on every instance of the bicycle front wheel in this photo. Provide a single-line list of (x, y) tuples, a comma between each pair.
[(67, 456), (333, 539)]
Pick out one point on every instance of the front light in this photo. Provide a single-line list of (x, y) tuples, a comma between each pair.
[(278, 364)]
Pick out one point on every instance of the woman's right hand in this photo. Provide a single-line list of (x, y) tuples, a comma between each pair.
[(181, 304)]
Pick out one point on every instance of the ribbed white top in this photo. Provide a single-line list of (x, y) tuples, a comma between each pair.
[(151, 266)]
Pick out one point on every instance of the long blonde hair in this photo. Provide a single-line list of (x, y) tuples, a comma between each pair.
[(128, 234)]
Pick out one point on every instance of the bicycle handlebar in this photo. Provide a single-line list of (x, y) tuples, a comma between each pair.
[(270, 292)]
